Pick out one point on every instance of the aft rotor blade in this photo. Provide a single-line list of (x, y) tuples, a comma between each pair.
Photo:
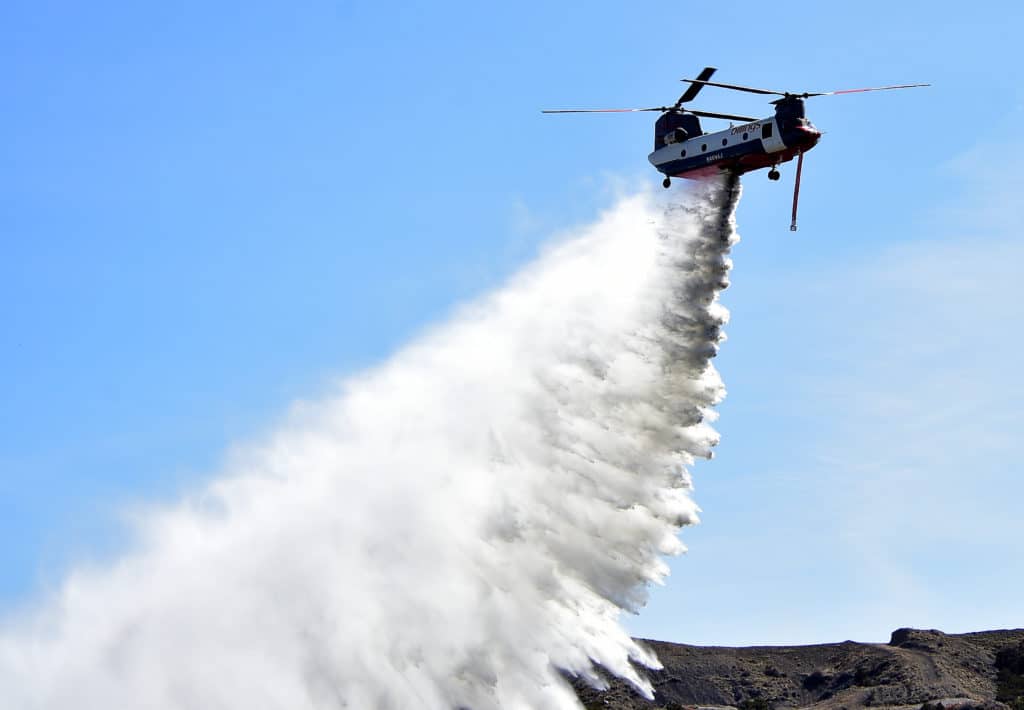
[(691, 92), (749, 89), (726, 116), (860, 91), (603, 110)]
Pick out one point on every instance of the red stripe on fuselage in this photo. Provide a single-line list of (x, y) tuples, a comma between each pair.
[(745, 163)]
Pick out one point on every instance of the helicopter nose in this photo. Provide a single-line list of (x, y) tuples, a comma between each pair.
[(807, 136)]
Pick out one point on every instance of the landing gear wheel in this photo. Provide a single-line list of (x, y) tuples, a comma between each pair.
[(666, 183), (774, 174)]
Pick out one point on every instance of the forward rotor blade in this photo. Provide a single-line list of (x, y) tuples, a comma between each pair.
[(604, 110), (860, 91), (691, 92), (726, 116), (749, 89)]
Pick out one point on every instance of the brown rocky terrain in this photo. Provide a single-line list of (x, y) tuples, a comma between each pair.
[(915, 668)]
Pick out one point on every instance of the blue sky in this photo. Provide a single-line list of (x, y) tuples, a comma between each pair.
[(210, 212)]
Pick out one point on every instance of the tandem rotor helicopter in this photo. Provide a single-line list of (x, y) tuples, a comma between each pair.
[(682, 149)]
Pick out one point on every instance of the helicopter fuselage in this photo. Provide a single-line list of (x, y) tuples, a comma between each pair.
[(750, 146)]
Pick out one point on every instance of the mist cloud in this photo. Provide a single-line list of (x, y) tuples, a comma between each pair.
[(455, 529)]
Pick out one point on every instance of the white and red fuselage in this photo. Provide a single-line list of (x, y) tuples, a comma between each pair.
[(759, 144)]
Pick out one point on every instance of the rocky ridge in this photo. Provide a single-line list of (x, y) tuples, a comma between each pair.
[(916, 668)]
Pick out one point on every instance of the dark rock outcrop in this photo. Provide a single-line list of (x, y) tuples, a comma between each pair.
[(979, 670)]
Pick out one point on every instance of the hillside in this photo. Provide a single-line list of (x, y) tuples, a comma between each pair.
[(914, 668)]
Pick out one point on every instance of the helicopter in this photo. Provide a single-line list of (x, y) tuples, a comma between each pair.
[(682, 149)]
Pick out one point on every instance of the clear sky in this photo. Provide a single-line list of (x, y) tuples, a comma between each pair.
[(209, 211)]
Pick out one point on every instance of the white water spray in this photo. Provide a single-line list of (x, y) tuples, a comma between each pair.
[(457, 529)]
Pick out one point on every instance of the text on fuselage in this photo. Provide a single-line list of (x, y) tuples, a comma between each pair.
[(746, 128)]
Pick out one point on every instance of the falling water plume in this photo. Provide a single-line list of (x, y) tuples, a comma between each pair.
[(460, 527)]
